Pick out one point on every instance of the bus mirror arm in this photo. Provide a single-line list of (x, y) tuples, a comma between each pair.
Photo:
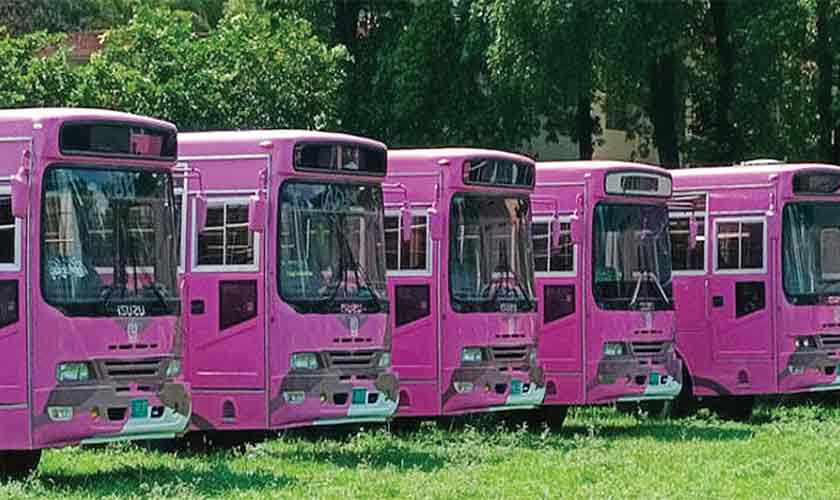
[(555, 231), (575, 232), (20, 188), (435, 224), (200, 212)]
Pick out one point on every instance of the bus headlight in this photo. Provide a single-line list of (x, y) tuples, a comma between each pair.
[(60, 413), (385, 360), (74, 372), (305, 361), (806, 342), (173, 369), (472, 355), (614, 349)]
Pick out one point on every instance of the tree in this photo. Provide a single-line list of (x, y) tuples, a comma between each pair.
[(32, 73), (243, 74)]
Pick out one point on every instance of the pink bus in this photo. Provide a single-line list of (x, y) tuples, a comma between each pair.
[(758, 301), (460, 275), (89, 305), (287, 323), (603, 272)]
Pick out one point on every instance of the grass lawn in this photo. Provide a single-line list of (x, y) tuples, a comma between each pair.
[(786, 451)]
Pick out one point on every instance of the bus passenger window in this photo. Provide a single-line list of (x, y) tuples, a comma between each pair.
[(403, 255), (685, 258), (7, 231), (226, 240)]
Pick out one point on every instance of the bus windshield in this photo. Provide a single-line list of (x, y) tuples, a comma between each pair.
[(490, 256), (107, 242), (811, 245), (331, 247), (631, 257)]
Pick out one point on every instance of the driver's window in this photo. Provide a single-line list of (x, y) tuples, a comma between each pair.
[(225, 243), (9, 235), (829, 256)]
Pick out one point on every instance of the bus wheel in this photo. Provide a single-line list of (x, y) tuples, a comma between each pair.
[(734, 408), (685, 404), (554, 416), (18, 464)]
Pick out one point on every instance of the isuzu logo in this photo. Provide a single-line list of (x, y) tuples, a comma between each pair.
[(354, 326), (131, 311), (352, 308), (507, 308), (133, 330)]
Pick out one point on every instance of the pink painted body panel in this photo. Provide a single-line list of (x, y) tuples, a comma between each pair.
[(239, 374), (427, 351), (734, 349), (571, 345), (43, 336)]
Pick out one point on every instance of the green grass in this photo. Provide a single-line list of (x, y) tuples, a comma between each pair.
[(786, 451)]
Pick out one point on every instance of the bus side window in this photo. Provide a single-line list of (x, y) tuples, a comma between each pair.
[(226, 243), (411, 255), (683, 257)]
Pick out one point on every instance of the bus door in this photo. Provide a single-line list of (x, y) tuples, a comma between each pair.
[(560, 297), (12, 307), (413, 291), (226, 300), (740, 303)]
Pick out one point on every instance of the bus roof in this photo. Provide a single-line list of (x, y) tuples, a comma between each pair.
[(250, 141), (41, 115), (453, 154), (742, 174), (570, 171)]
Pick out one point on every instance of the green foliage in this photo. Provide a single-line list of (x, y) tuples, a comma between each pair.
[(241, 75), (32, 73)]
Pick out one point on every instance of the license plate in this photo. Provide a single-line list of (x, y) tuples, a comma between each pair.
[(359, 396), (516, 387), (139, 408), (654, 378)]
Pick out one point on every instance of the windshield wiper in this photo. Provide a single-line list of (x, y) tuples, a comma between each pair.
[(347, 261), (648, 276)]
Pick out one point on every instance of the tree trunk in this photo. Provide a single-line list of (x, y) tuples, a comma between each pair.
[(726, 136), (584, 126), (663, 109), (347, 22), (825, 65)]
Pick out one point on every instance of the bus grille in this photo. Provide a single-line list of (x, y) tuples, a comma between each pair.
[(132, 369), (830, 341), (508, 354), (648, 348), (350, 359)]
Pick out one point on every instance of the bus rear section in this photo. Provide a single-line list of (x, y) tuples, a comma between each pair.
[(758, 297), (288, 312), (460, 274), (603, 274), (90, 335)]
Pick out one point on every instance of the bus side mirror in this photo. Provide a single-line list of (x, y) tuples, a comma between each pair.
[(406, 221), (256, 214), (693, 229), (555, 232), (435, 225), (200, 213), (575, 229), (20, 193)]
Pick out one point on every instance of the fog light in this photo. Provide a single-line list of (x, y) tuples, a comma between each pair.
[(294, 397), (94, 412), (60, 413), (487, 388), (323, 398), (463, 387)]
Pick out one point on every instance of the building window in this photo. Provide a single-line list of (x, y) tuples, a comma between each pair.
[(8, 226), (548, 258), (226, 240), (411, 255), (683, 257), (740, 245)]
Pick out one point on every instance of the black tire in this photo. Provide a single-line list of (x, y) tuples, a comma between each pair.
[(18, 464), (685, 404), (554, 416), (734, 408)]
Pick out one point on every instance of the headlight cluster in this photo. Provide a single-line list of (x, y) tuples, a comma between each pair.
[(74, 372), (470, 355), (615, 349), (384, 360), (305, 361), (805, 342)]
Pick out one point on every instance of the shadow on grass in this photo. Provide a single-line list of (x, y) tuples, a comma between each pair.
[(215, 480), (665, 431), (387, 454)]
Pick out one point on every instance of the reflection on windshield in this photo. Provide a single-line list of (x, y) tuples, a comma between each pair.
[(811, 240), (490, 256), (332, 247), (631, 255), (107, 241)]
